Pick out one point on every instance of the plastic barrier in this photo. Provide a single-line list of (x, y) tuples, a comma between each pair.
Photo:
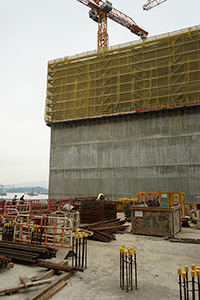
[(27, 206), (52, 231)]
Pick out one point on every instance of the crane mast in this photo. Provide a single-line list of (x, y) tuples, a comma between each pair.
[(152, 3), (100, 11)]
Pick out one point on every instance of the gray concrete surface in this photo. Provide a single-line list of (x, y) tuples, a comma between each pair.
[(147, 152), (158, 260)]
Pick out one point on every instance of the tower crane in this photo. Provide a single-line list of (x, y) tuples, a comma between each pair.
[(152, 3), (100, 11)]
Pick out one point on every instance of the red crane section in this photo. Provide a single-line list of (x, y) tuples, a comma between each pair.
[(152, 3), (100, 11)]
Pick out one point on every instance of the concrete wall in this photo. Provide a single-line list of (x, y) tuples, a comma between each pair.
[(123, 155)]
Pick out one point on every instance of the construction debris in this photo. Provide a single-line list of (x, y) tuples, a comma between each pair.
[(24, 252), (104, 231), (14, 289), (47, 273), (49, 290), (51, 287)]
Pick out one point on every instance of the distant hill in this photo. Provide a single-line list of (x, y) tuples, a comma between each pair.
[(42, 183), (36, 189)]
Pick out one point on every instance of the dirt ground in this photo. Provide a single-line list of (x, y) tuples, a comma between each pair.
[(157, 261)]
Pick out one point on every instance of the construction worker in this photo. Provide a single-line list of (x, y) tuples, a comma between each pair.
[(101, 197), (21, 202), (14, 200), (22, 198)]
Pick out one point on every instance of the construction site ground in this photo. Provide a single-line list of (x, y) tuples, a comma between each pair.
[(157, 259)]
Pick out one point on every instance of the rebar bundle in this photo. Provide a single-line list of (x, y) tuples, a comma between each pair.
[(94, 211), (91, 211), (127, 261), (79, 250), (189, 289), (104, 231), (109, 210), (24, 252)]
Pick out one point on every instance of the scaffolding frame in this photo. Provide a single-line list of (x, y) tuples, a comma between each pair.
[(160, 72)]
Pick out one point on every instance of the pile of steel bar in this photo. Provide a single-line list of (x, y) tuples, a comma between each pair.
[(26, 252), (127, 261), (104, 231), (94, 211), (91, 211), (4, 261), (189, 289), (109, 210)]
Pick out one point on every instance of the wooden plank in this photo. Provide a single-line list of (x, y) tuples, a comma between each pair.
[(58, 267), (25, 280), (53, 291), (47, 274), (22, 286), (39, 293)]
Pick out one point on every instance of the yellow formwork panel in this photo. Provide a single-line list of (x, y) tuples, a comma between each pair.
[(160, 72)]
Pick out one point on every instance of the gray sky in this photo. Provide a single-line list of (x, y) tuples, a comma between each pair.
[(34, 32)]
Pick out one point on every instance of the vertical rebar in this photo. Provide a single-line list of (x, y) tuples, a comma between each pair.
[(83, 249), (126, 264), (76, 258), (73, 250), (121, 251), (131, 268), (198, 278), (193, 287), (123, 268), (187, 288), (79, 249), (135, 262), (86, 235), (184, 284), (179, 272)]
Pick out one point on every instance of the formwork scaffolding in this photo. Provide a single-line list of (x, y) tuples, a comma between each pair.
[(160, 72)]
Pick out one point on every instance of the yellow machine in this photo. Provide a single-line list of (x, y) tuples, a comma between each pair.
[(123, 202), (166, 199)]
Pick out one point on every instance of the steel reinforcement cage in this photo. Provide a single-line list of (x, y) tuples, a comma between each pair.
[(161, 72)]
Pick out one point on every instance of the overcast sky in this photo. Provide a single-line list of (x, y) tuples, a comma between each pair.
[(34, 32)]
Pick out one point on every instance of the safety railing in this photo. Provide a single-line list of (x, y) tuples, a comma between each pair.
[(44, 230), (27, 206)]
